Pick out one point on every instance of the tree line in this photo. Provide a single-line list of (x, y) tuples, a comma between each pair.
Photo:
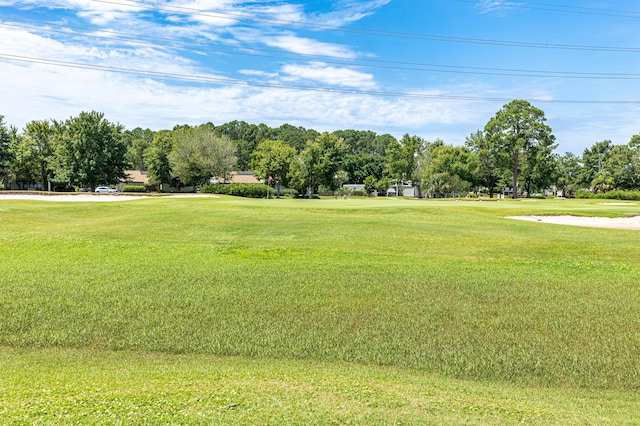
[(515, 150)]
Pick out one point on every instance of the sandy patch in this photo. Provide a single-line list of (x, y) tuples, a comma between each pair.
[(618, 204), (191, 195), (628, 223), (92, 198), (89, 198)]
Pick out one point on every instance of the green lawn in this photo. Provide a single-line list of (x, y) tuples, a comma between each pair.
[(316, 311)]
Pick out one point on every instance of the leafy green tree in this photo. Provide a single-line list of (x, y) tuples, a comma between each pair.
[(355, 140), (539, 167), (39, 150), (340, 178), (198, 154), (24, 165), (364, 142), (296, 137), (593, 159), (273, 158), (252, 136), (90, 151), (245, 138), (395, 166), (568, 172), (359, 167), (446, 169), (517, 129), (454, 160), (401, 159), (303, 175), (602, 182), (319, 164), (380, 144), (5, 152), (623, 167), (446, 184), (137, 142), (370, 184), (435, 184), (383, 185), (156, 158), (485, 165)]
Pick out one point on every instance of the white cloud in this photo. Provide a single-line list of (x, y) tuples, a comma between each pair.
[(258, 73), (348, 11), (204, 4), (32, 91), (596, 123), (37, 92), (96, 12), (213, 13), (499, 7), (29, 45), (41, 92), (306, 46), (276, 13), (279, 13), (228, 13), (329, 75)]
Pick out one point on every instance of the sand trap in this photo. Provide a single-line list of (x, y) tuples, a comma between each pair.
[(91, 198), (629, 223)]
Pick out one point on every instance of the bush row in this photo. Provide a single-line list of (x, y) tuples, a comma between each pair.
[(134, 188), (611, 195), (248, 190)]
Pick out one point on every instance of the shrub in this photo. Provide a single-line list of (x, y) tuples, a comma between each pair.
[(289, 193), (611, 195), (247, 190), (133, 188), (622, 195), (583, 194)]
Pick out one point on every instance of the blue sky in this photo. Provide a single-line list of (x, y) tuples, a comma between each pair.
[(432, 68)]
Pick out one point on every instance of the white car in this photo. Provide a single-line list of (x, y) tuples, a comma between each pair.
[(105, 189)]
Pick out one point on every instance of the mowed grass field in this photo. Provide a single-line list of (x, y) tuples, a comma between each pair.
[(382, 311)]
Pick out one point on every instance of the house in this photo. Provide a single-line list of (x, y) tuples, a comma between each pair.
[(21, 186), (237, 177), (134, 177), (141, 178), (353, 187), (410, 191), (405, 190)]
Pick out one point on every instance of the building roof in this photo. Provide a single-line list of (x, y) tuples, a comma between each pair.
[(136, 176), (239, 177)]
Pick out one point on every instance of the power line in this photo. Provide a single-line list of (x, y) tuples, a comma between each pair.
[(565, 9), (221, 80), (370, 63), (365, 31)]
